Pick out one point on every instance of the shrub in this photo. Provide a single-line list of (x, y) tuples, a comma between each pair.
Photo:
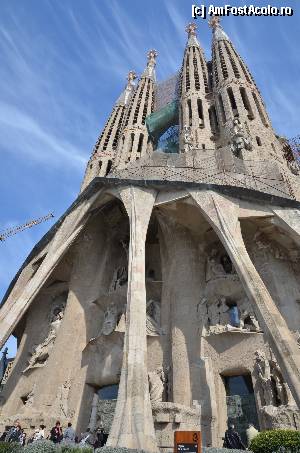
[(75, 448), (274, 441), (117, 450), (41, 446), (6, 447)]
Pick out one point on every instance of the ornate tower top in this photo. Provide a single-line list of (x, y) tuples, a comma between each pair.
[(151, 63), (218, 32), (125, 96), (191, 31), (214, 22), (191, 28), (131, 76)]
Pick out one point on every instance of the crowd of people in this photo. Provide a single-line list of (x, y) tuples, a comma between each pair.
[(56, 435), (97, 439)]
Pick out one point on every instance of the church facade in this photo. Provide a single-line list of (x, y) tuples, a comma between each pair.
[(167, 296)]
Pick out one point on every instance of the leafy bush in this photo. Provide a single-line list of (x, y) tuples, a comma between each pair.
[(6, 447), (41, 446), (274, 441), (74, 448), (117, 450)]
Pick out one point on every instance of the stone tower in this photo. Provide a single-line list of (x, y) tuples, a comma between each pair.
[(167, 295), (236, 96), (194, 88), (104, 151), (134, 138)]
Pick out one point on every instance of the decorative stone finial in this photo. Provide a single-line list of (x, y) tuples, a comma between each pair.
[(191, 29), (214, 22), (151, 55), (150, 69), (131, 77)]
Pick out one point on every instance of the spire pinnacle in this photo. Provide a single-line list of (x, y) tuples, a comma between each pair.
[(151, 63), (214, 22), (192, 35), (123, 99), (218, 32)]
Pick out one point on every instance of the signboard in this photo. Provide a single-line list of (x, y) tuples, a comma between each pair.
[(187, 442)]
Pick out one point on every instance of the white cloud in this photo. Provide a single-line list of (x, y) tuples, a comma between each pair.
[(29, 137)]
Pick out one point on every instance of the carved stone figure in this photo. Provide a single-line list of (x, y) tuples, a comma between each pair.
[(214, 269), (218, 267), (157, 380), (263, 370), (240, 140), (41, 352), (153, 318), (283, 393), (120, 278), (187, 138), (246, 313), (110, 321)]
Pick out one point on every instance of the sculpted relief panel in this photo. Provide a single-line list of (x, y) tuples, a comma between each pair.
[(225, 315), (279, 409), (40, 352)]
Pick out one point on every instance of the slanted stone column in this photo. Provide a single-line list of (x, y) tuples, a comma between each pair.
[(13, 309), (133, 423), (222, 214)]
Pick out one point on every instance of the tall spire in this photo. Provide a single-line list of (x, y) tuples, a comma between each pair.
[(236, 96), (133, 143), (105, 148), (194, 87)]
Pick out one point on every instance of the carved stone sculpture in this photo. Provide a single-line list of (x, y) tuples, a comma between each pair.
[(157, 380), (246, 313), (187, 139), (41, 352), (263, 370), (120, 278), (111, 317), (153, 318), (240, 140), (283, 393), (218, 267)]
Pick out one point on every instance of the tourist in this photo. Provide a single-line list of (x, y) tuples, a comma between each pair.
[(69, 434), (100, 438), (39, 433), (56, 433), (251, 432), (87, 438), (14, 433), (22, 438), (232, 439)]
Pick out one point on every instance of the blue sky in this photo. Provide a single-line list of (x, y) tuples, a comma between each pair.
[(64, 63)]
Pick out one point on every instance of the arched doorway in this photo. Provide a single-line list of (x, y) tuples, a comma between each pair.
[(240, 402)]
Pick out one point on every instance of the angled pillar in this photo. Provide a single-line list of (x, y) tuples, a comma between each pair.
[(133, 423), (222, 214), (14, 309)]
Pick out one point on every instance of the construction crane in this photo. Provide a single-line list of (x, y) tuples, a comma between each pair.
[(12, 231)]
